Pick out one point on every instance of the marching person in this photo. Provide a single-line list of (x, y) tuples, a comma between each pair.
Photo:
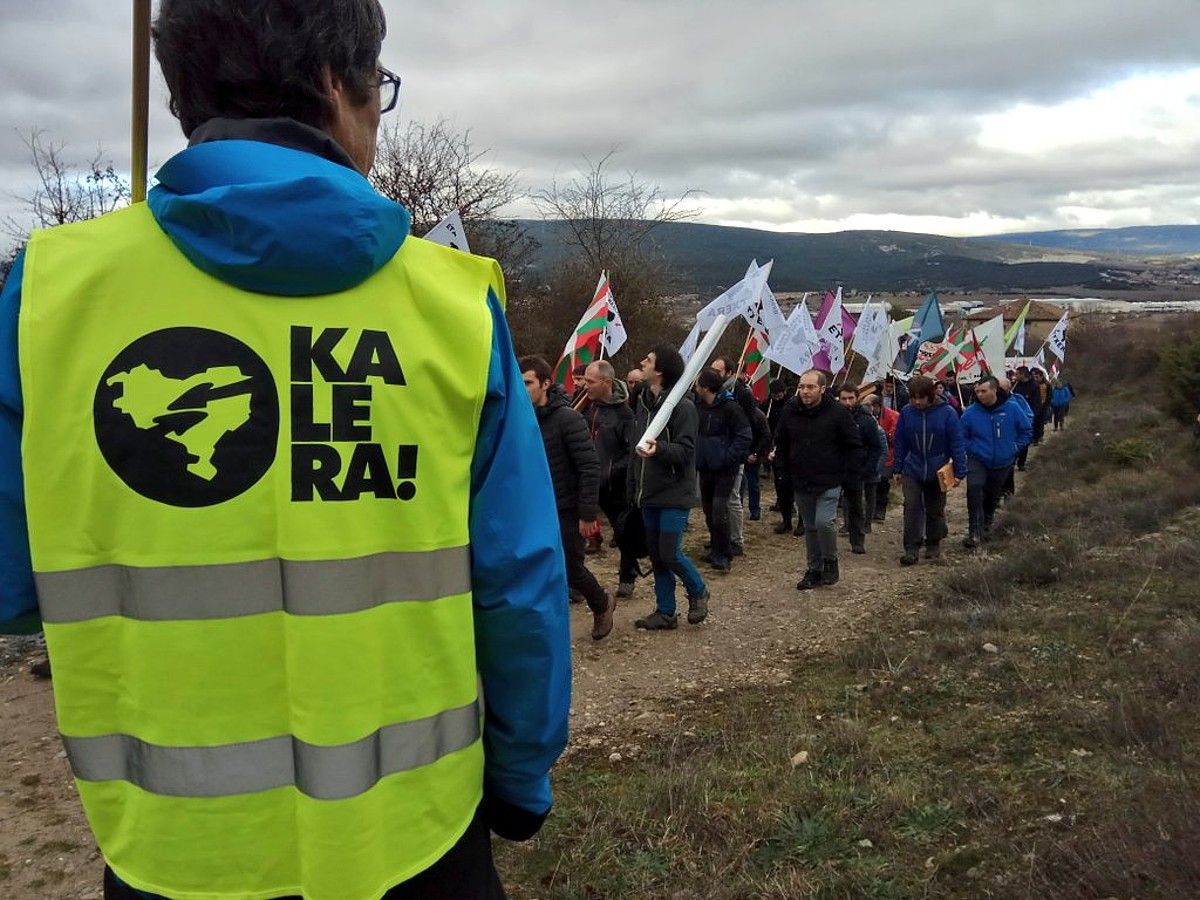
[(737, 385), (663, 486), (261, 448), (1060, 402), (1027, 389), (1006, 385), (858, 481), (818, 442), (887, 419), (575, 471), (994, 429), (722, 444), (760, 446), (927, 437), (610, 423)]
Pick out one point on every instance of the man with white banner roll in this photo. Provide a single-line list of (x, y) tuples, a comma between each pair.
[(663, 483)]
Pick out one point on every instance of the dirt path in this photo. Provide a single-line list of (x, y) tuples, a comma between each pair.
[(627, 687)]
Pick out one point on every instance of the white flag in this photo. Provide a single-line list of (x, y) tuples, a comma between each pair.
[(833, 336), (688, 347), (797, 342), (872, 325), (766, 317), (1057, 341), (614, 336), (450, 233), (740, 300), (1019, 341), (991, 342)]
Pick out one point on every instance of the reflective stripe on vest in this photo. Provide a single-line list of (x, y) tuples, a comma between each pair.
[(323, 773), (249, 520), (298, 587)]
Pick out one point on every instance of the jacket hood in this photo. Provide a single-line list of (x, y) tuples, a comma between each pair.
[(272, 206), (557, 399), (620, 394)]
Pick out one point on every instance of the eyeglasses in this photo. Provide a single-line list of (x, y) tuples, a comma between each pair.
[(389, 89)]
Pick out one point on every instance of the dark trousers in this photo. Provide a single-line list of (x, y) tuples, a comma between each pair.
[(629, 531), (924, 514), (715, 488), (785, 497), (852, 495), (750, 483), (984, 487), (466, 872), (1023, 456), (579, 578), (883, 491), (1039, 426), (1060, 416), (870, 500)]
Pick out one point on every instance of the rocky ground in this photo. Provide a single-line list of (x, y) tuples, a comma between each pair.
[(629, 688)]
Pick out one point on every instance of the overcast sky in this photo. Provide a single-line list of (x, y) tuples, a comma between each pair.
[(944, 116)]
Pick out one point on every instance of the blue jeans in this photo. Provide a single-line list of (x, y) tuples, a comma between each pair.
[(750, 486), (664, 539)]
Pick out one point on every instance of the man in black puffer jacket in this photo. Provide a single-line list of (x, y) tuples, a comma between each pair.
[(819, 442), (722, 445), (575, 471), (854, 486)]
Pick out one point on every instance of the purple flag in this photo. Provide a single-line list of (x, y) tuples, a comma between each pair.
[(849, 323)]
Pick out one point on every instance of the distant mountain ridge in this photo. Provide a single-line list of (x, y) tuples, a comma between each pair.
[(710, 257), (1139, 240)]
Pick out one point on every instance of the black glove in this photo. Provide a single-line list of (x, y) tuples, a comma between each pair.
[(509, 821)]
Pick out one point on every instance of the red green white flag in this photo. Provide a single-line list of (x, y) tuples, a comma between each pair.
[(755, 366), (583, 346)]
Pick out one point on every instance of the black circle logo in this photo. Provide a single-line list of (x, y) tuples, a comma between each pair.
[(187, 416)]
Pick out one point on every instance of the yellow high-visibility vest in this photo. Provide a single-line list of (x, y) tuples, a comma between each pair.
[(248, 517)]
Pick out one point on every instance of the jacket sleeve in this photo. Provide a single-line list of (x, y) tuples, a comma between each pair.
[(851, 440), (18, 602), (681, 449), (1024, 430), (762, 435), (876, 443), (522, 634), (900, 443), (740, 437), (957, 445), (585, 462)]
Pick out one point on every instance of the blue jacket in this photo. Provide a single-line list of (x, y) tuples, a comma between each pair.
[(1024, 406), (926, 439), (995, 435), (284, 221), (1061, 396)]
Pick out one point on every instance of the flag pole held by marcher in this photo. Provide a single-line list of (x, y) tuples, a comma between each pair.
[(141, 99), (684, 384)]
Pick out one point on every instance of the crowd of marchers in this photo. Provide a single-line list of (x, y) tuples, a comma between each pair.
[(831, 449)]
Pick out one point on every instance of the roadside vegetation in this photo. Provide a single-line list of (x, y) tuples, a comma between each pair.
[(1031, 729)]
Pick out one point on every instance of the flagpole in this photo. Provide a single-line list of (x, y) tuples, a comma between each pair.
[(604, 333), (141, 99), (745, 350)]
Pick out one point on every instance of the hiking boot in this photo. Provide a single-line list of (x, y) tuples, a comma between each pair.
[(739, 550), (880, 517), (970, 542), (933, 551), (909, 558), (783, 527), (798, 531), (867, 527), (625, 590), (697, 608), (720, 565), (575, 596), (602, 622), (811, 579), (755, 516), (657, 621), (40, 669), (857, 548), (830, 573)]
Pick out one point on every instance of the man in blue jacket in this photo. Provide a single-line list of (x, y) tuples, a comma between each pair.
[(995, 429), (722, 443), (281, 103), (927, 437)]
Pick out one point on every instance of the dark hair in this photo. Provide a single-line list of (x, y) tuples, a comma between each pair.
[(669, 364), (539, 367), (848, 388), (711, 380), (728, 363), (921, 387), (989, 379), (266, 59)]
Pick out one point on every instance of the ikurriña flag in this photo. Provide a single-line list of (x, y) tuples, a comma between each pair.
[(584, 344)]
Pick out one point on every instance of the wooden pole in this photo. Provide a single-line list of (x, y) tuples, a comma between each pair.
[(141, 99), (745, 350)]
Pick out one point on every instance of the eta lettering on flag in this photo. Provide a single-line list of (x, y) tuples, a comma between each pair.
[(834, 326), (756, 366), (1057, 341), (450, 233), (583, 346)]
